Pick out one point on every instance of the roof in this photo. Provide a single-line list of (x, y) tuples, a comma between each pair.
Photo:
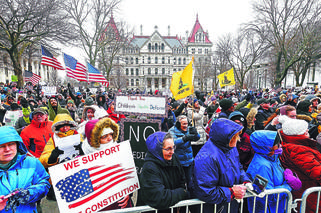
[(172, 41), (196, 28)]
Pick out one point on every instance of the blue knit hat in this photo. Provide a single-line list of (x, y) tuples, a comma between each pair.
[(154, 144)]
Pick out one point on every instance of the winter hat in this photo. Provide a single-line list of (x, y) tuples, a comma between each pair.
[(14, 106), (293, 126), (70, 101), (106, 131), (213, 98), (263, 100), (154, 144), (194, 101), (175, 104), (78, 93), (10, 135), (40, 110), (226, 104), (89, 101), (237, 115)]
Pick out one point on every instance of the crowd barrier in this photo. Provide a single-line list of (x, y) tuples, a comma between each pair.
[(305, 197), (187, 203)]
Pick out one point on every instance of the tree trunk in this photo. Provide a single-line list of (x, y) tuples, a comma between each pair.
[(15, 58)]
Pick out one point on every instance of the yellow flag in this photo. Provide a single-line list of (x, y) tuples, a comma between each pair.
[(226, 78), (182, 82)]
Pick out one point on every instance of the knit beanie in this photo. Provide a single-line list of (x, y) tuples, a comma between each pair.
[(226, 103), (89, 101), (294, 126)]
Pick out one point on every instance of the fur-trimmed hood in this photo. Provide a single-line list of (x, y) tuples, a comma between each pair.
[(63, 119), (94, 128), (304, 117)]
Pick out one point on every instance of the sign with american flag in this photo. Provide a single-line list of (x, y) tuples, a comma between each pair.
[(75, 69), (49, 60), (31, 77), (95, 76), (95, 181)]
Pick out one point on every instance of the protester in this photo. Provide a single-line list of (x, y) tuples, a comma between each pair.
[(300, 154), (263, 113), (100, 135), (72, 110), (218, 176), (12, 115), (266, 145), (77, 98), (227, 107), (111, 112), (55, 108), (36, 135), (19, 173), (9, 101), (212, 107)]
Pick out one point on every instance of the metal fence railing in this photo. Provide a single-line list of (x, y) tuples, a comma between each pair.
[(305, 196), (192, 202)]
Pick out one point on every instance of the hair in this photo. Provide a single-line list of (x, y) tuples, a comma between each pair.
[(167, 136), (250, 117), (289, 108), (181, 117), (271, 153), (276, 113)]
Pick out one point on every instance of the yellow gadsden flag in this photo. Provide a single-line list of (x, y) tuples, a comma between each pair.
[(182, 82), (226, 78)]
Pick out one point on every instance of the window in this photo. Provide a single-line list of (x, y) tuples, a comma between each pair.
[(127, 82), (132, 82), (132, 60), (206, 51), (179, 61), (163, 60), (149, 82), (169, 60), (193, 51), (149, 47), (199, 51), (156, 71), (136, 60), (132, 71), (174, 70), (163, 47), (137, 82), (143, 60), (126, 60), (156, 47), (163, 82), (156, 60), (163, 71), (156, 82), (174, 60), (149, 71), (148, 60), (137, 72), (127, 71), (184, 60)]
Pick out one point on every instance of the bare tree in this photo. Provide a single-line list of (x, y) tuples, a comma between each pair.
[(91, 18), (284, 21), (119, 79), (203, 70), (26, 22)]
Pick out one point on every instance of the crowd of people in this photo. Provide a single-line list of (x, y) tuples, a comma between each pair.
[(211, 146)]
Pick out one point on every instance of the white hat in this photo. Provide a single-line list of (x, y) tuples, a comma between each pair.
[(294, 127), (106, 131)]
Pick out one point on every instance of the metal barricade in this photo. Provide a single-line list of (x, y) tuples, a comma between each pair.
[(305, 196), (191, 202)]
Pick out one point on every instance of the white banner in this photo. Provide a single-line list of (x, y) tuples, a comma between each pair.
[(49, 91), (92, 182), (152, 106)]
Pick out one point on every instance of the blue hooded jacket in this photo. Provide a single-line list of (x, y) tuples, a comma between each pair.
[(268, 167), (217, 167), (27, 173)]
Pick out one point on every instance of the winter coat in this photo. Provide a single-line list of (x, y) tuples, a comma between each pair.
[(217, 167), (197, 118), (301, 156), (261, 116), (114, 116), (27, 173), (162, 182), (268, 167), (20, 124), (183, 149), (36, 135), (52, 113)]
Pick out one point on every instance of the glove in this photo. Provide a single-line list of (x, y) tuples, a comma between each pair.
[(192, 130), (20, 198), (249, 186), (292, 179), (190, 137), (54, 155), (24, 103), (78, 147)]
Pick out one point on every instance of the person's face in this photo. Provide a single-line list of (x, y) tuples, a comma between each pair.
[(310, 108), (106, 138), (291, 114), (315, 103), (69, 104), (64, 129), (184, 124), (238, 122), (100, 98), (231, 109), (168, 149), (7, 152), (234, 140), (53, 102), (39, 117), (112, 106), (10, 101), (90, 113), (196, 105), (265, 105)]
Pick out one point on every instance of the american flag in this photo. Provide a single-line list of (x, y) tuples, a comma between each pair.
[(32, 77), (87, 184), (75, 69), (49, 60), (95, 76)]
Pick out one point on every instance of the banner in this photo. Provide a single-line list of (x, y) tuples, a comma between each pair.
[(49, 91), (182, 82), (92, 182), (226, 78), (151, 106), (137, 131)]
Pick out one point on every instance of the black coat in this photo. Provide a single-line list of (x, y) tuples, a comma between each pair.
[(261, 116), (162, 184)]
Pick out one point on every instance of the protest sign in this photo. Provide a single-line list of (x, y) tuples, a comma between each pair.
[(11, 117), (137, 131), (49, 91), (151, 106), (67, 144), (92, 182)]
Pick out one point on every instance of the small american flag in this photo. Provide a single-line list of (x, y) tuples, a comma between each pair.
[(49, 60), (92, 182), (75, 69), (95, 76), (31, 77)]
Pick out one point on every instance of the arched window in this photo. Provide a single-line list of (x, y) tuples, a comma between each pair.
[(149, 47), (174, 60), (184, 60), (179, 61), (148, 60), (132, 71), (127, 71), (132, 82), (137, 72), (156, 60), (137, 82), (163, 60), (163, 47), (149, 71), (156, 47), (126, 60), (136, 60), (163, 71), (156, 71)]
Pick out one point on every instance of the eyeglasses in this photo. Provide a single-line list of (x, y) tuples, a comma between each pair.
[(170, 148), (292, 116)]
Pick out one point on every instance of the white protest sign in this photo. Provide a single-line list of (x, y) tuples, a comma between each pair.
[(11, 117), (67, 144), (92, 182), (49, 91), (149, 105)]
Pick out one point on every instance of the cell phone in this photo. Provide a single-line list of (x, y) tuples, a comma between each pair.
[(259, 184)]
